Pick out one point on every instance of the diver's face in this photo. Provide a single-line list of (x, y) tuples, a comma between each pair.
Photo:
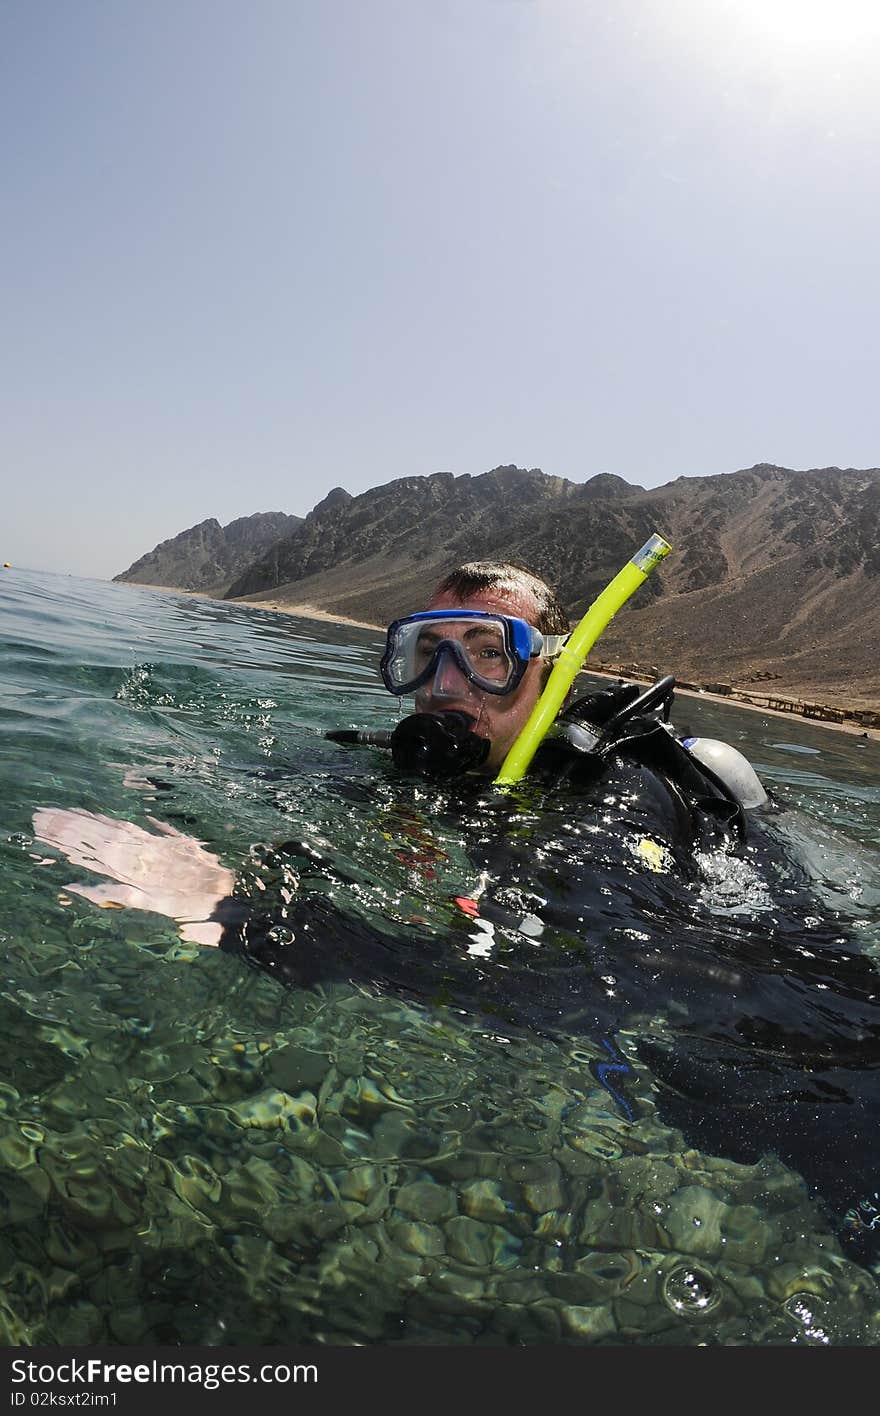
[(499, 717)]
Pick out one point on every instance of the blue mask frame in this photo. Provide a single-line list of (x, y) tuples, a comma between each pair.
[(522, 642)]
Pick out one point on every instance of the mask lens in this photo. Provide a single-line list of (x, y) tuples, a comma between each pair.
[(487, 650), (480, 645)]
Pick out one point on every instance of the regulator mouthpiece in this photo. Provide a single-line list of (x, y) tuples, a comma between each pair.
[(438, 744)]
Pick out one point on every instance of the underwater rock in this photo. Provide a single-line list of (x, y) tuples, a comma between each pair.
[(588, 1324), (693, 1217), (482, 1199), (363, 1183), (424, 1239), (277, 1109), (541, 1187), (426, 1201)]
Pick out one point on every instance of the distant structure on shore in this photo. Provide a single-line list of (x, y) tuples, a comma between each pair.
[(824, 712)]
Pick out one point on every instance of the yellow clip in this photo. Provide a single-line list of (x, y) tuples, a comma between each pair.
[(654, 856)]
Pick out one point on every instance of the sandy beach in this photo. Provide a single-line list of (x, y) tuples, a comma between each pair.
[(309, 612)]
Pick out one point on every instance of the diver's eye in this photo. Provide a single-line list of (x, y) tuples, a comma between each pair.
[(491, 657), (425, 647)]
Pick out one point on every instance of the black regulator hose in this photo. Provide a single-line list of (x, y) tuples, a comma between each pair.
[(381, 738)]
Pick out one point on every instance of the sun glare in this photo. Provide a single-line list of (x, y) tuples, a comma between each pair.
[(812, 24), (796, 34)]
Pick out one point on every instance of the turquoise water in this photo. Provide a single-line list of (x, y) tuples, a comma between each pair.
[(191, 1153)]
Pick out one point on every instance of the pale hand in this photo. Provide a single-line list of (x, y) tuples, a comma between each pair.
[(169, 874)]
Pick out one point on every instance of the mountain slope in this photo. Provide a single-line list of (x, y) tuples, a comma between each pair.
[(773, 572), (209, 556)]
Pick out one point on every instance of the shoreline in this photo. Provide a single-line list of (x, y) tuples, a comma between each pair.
[(313, 612), (295, 611), (307, 612), (858, 730)]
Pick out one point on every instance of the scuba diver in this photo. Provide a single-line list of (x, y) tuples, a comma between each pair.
[(758, 1040), (477, 661)]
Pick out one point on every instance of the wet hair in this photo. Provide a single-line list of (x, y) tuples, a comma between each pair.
[(507, 578)]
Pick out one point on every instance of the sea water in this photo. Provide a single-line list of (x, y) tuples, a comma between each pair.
[(191, 1153)]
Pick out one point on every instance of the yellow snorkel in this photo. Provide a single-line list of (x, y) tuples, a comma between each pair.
[(571, 660)]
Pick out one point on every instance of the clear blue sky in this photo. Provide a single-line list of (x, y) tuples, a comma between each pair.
[(255, 249)]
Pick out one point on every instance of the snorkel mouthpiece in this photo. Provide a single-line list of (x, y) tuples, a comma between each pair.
[(438, 744)]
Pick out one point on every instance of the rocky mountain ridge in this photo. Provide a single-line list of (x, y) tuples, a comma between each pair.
[(207, 557), (775, 574)]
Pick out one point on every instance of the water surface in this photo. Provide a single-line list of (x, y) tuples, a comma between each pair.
[(191, 1153)]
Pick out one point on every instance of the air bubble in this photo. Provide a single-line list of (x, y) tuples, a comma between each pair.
[(691, 1292)]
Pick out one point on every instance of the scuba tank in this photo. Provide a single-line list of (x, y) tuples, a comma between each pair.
[(711, 778), (729, 765)]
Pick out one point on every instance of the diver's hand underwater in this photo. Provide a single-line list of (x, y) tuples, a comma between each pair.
[(167, 874)]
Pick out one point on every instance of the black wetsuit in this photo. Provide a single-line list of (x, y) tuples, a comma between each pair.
[(768, 1039), (541, 876)]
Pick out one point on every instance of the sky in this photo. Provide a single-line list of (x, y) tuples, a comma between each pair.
[(251, 250)]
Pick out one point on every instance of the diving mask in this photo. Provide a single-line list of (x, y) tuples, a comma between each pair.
[(492, 651)]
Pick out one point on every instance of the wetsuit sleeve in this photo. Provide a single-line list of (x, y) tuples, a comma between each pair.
[(305, 936), (277, 925), (302, 944), (284, 922)]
